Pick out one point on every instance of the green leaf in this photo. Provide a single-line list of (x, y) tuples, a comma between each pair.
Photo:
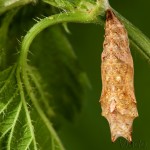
[(14, 25), (63, 4), (22, 125), (71, 5), (6, 5), (58, 66), (74, 79), (4, 29), (140, 41)]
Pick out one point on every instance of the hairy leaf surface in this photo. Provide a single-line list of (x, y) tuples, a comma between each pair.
[(22, 126)]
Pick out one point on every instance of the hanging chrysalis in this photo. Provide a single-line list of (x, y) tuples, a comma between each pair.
[(117, 99)]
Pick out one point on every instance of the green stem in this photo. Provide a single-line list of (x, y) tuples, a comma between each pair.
[(22, 65), (80, 17), (141, 41), (138, 39)]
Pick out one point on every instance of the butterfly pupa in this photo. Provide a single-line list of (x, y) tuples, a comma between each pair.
[(117, 100)]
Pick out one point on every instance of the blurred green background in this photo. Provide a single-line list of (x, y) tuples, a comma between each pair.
[(90, 131)]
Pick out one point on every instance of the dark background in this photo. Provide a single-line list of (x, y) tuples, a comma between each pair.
[(90, 131)]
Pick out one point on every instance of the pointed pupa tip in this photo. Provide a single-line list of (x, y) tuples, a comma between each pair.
[(129, 138), (113, 139), (109, 14)]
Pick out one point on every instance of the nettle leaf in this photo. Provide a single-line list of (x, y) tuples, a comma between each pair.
[(63, 4), (6, 5), (22, 125), (25, 108), (71, 4), (4, 28), (56, 61), (14, 25), (52, 54)]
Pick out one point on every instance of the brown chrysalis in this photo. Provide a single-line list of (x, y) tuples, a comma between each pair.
[(117, 99)]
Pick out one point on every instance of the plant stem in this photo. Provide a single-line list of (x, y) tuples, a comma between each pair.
[(80, 17), (95, 16), (22, 69)]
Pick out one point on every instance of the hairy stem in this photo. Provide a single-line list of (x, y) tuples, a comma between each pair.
[(22, 64), (80, 17), (95, 16)]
